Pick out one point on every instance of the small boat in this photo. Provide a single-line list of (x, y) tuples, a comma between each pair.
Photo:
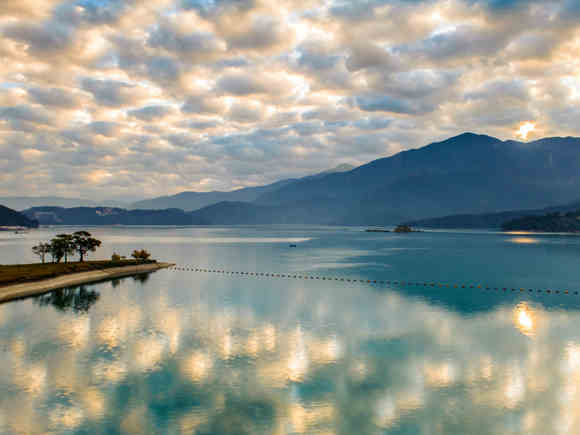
[(293, 245)]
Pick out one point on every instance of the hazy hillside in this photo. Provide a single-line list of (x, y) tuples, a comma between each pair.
[(195, 200), (11, 218), (24, 202), (108, 216)]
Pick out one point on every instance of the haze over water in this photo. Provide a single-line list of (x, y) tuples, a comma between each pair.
[(182, 352)]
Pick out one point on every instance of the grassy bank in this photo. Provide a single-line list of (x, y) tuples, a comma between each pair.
[(21, 273)]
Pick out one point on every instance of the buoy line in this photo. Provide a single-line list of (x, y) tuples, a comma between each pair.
[(400, 283)]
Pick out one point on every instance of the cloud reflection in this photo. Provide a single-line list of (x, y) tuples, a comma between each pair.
[(233, 360)]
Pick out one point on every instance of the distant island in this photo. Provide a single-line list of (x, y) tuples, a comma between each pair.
[(398, 229), (549, 223)]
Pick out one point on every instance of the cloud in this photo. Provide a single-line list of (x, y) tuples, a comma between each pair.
[(200, 104), (368, 55), (316, 56), (515, 89), (54, 97), (240, 84), (91, 12), (104, 128), (192, 44), (22, 113), (40, 39), (164, 70), (150, 113), (207, 94), (459, 42), (245, 112), (112, 93), (386, 103)]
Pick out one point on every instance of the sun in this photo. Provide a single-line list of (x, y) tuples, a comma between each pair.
[(525, 129)]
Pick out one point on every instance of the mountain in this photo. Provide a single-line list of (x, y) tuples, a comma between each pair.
[(468, 173), (11, 218), (489, 220), (195, 200), (24, 202), (108, 216)]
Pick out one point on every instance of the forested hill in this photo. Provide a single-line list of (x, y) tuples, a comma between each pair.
[(12, 218), (489, 220), (549, 223)]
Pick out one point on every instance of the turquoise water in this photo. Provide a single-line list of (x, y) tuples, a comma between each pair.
[(212, 353)]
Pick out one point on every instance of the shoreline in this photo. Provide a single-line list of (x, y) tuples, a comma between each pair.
[(34, 288)]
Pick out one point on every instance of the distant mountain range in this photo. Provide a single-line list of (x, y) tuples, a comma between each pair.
[(465, 175), (11, 218), (189, 201)]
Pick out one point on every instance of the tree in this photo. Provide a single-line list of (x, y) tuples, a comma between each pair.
[(141, 255), (41, 250), (62, 246), (84, 243)]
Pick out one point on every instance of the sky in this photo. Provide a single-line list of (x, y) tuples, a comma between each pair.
[(109, 99)]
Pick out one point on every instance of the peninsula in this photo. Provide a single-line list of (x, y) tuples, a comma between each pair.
[(22, 280), (19, 281)]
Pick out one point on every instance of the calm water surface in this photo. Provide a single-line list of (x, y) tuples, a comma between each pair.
[(182, 352)]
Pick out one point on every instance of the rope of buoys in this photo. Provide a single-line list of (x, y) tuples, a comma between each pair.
[(379, 282)]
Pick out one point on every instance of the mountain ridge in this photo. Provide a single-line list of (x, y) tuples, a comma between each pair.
[(465, 174)]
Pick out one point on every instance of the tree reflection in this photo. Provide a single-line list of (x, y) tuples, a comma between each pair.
[(141, 278), (76, 299)]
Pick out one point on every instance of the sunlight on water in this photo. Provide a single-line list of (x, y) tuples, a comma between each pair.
[(524, 240), (524, 319)]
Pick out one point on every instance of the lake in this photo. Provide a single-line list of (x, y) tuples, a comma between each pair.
[(444, 350)]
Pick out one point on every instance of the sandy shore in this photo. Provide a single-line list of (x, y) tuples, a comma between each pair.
[(39, 287)]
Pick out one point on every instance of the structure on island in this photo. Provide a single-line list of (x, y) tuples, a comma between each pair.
[(398, 229), (403, 229)]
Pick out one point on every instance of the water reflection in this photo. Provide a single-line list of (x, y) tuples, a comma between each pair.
[(77, 299), (218, 356)]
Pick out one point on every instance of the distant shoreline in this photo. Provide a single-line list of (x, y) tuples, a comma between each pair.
[(33, 288)]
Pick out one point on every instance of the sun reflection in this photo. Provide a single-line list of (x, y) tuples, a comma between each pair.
[(524, 319), (524, 240)]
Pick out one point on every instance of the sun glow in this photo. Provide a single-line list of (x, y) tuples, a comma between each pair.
[(525, 129)]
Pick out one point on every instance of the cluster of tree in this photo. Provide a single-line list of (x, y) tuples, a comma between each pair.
[(65, 245), (141, 255)]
